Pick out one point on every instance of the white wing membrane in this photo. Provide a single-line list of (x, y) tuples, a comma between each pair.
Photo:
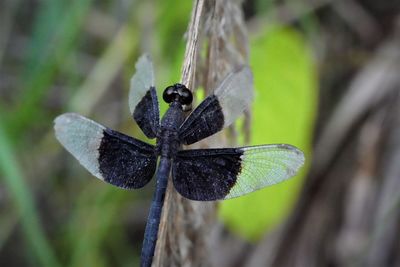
[(266, 165), (141, 81), (111, 156), (81, 137), (235, 94)]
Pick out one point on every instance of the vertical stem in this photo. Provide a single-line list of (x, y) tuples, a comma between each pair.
[(189, 63), (169, 250)]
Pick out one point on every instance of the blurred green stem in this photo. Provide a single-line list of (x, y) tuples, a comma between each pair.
[(23, 200)]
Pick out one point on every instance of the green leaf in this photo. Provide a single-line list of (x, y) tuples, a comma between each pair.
[(283, 112)]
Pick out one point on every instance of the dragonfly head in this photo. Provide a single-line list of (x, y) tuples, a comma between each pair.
[(178, 93)]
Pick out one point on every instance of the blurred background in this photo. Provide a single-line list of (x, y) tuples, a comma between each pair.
[(327, 79)]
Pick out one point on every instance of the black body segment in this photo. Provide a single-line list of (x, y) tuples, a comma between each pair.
[(124, 161), (167, 147), (146, 113), (168, 141), (206, 174), (153, 221), (206, 120)]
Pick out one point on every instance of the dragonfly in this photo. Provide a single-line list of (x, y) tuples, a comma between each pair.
[(197, 174)]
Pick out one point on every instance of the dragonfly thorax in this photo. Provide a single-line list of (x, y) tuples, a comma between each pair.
[(168, 141)]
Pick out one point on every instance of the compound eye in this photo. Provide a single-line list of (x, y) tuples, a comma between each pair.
[(169, 94), (185, 96)]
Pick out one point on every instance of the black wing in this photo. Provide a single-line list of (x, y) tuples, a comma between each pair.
[(212, 174), (143, 101), (111, 156), (220, 109)]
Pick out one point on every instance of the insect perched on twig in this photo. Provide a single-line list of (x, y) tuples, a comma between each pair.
[(197, 174)]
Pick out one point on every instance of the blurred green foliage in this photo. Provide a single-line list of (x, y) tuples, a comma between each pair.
[(54, 38), (23, 202), (67, 217), (283, 112)]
